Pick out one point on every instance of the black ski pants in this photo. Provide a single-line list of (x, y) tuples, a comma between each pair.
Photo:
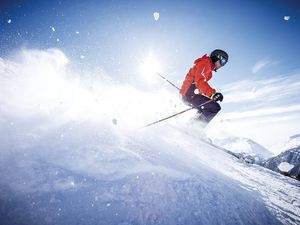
[(206, 112)]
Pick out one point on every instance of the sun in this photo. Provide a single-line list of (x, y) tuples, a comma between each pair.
[(149, 67)]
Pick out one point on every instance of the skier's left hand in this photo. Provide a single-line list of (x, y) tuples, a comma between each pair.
[(217, 96)]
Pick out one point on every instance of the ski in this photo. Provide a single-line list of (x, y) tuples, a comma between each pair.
[(236, 155)]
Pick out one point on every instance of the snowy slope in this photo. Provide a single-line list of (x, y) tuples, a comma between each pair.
[(76, 155), (93, 175), (244, 145)]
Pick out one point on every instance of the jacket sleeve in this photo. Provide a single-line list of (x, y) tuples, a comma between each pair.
[(202, 76)]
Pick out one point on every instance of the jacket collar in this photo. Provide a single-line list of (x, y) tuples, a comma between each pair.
[(208, 60)]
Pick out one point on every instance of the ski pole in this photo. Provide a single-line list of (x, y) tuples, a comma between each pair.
[(167, 80), (161, 76), (164, 78), (176, 114)]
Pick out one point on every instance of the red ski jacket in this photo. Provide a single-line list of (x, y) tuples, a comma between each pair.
[(197, 77)]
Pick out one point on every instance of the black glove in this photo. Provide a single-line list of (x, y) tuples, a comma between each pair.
[(217, 97)]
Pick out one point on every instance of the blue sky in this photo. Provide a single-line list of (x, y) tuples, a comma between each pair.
[(115, 35), (249, 30)]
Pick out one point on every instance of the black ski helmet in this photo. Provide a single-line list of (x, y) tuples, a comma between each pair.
[(219, 54)]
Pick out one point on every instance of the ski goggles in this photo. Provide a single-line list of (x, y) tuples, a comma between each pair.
[(223, 60)]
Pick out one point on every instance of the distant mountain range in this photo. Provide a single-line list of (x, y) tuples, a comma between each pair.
[(287, 162), (247, 147)]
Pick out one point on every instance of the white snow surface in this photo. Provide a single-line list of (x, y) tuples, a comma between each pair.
[(64, 161), (285, 167)]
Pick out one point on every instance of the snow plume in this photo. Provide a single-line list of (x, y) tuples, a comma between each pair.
[(44, 84), (31, 82), (45, 100)]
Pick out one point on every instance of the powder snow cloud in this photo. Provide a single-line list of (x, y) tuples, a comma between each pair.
[(46, 84)]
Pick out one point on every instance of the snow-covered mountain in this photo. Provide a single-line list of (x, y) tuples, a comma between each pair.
[(245, 146), (287, 162), (71, 154)]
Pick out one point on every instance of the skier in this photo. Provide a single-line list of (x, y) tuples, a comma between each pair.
[(195, 90)]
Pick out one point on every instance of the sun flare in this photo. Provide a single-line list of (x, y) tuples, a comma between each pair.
[(149, 67)]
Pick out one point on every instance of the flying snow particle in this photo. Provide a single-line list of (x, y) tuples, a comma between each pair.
[(156, 16), (53, 29), (77, 32), (286, 18), (57, 39), (82, 56), (9, 21), (115, 121)]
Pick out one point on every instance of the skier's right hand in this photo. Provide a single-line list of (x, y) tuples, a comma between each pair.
[(217, 96)]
